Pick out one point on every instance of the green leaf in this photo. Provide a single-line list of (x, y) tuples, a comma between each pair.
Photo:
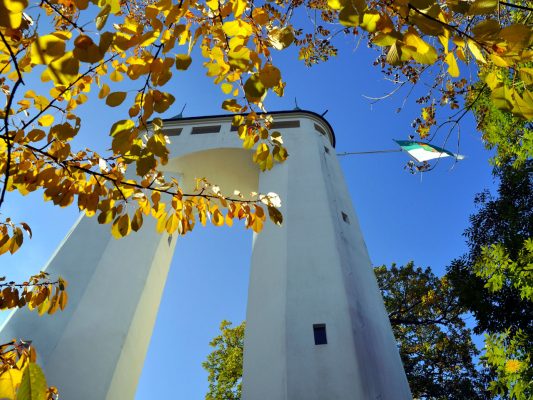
[(33, 385)]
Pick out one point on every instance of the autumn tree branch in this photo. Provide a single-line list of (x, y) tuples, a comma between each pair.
[(7, 111), (452, 27), (63, 16)]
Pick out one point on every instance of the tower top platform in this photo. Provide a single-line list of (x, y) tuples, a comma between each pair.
[(282, 120)]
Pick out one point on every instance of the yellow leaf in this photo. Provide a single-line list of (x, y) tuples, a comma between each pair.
[(183, 61), (281, 38), (260, 16), (137, 220), (492, 80), (238, 7), (526, 74), (121, 126), (349, 15), (231, 105), (517, 35), (101, 18), (46, 120), (418, 49), (482, 7), (335, 4), (35, 135), (9, 383), (104, 91), (453, 68), (172, 223), (121, 226), (115, 99), (502, 97), (64, 69), (86, 50), (226, 87), (237, 28), (254, 89), (476, 52), (63, 131), (269, 76), (486, 28), (497, 60), (370, 21), (63, 300), (47, 48), (275, 215), (11, 13)]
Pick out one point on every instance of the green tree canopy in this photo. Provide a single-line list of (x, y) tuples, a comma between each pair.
[(224, 363), (435, 345), (506, 220)]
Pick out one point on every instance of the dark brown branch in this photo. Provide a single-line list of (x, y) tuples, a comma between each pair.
[(452, 27), (7, 111), (115, 181), (70, 86), (75, 25)]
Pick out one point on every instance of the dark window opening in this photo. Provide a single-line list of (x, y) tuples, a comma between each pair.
[(205, 129), (326, 149), (276, 125), (319, 129), (172, 131), (319, 331), (285, 124), (345, 218)]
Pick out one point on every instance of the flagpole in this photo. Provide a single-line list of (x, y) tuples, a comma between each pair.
[(369, 152)]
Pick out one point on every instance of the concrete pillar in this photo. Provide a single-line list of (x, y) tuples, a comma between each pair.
[(95, 348), (315, 271)]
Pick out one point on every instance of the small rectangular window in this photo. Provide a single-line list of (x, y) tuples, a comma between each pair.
[(172, 131), (285, 124), (319, 331), (345, 218), (319, 129), (277, 125), (205, 129)]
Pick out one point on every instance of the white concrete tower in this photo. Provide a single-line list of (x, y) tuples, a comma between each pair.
[(316, 325)]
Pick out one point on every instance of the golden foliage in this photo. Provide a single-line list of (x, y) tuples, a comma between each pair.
[(21, 378)]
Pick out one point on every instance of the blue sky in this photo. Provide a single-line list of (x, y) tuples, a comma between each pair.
[(403, 217)]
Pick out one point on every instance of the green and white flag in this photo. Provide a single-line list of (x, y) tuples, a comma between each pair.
[(424, 151)]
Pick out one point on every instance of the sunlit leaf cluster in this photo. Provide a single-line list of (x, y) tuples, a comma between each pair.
[(38, 293), (21, 378), (509, 354)]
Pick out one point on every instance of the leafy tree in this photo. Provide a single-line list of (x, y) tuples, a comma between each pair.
[(498, 231), (495, 279), (224, 363), (428, 322), (435, 345)]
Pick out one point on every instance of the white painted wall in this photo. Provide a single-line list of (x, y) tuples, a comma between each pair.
[(314, 269)]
